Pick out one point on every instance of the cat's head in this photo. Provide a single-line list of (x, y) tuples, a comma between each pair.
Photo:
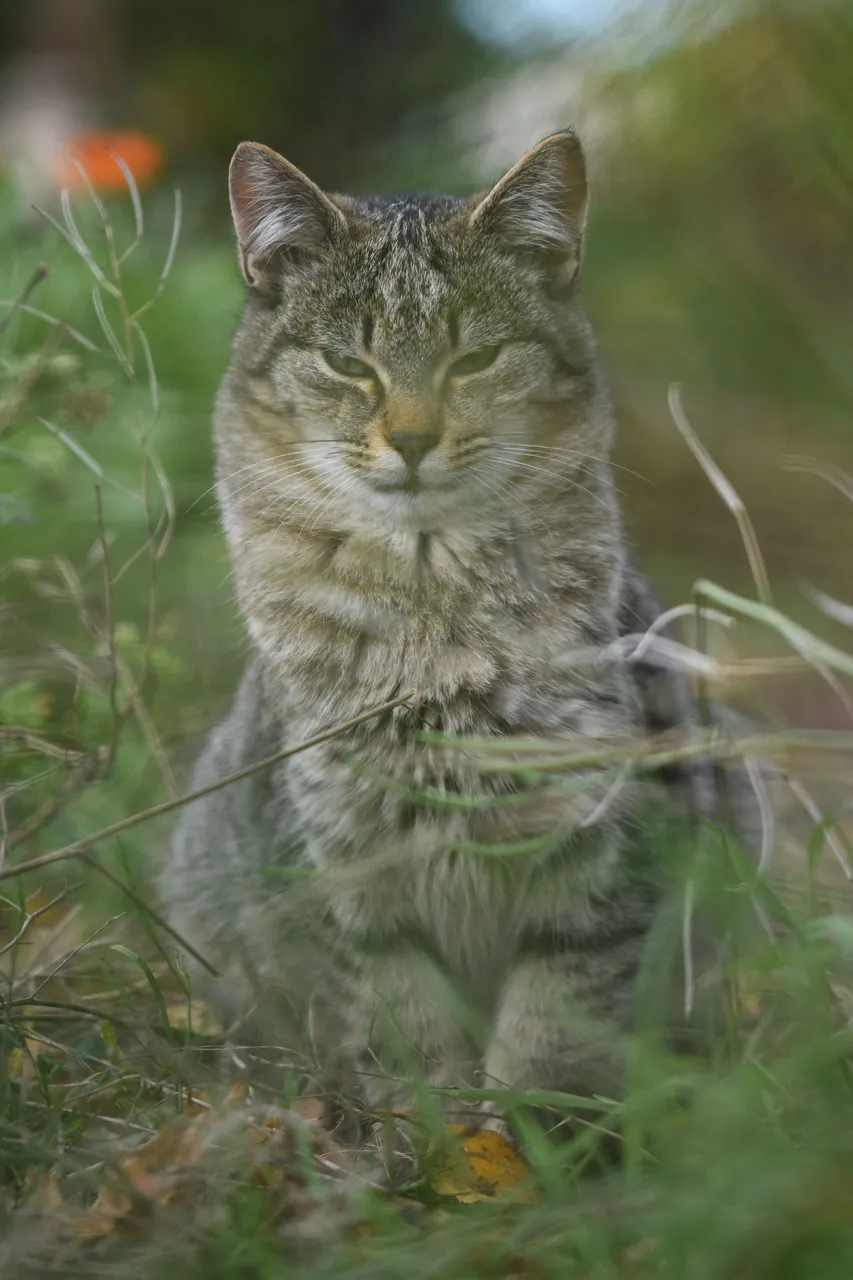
[(409, 357)]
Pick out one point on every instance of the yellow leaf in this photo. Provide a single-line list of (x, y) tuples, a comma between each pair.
[(19, 1062), (484, 1165), (198, 1016), (108, 1035), (18, 1065)]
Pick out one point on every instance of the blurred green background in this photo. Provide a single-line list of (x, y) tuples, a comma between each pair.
[(720, 256)]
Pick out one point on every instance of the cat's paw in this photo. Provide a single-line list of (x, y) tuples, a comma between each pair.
[(489, 1116)]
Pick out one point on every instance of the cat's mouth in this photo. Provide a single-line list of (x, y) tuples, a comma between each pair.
[(412, 484)]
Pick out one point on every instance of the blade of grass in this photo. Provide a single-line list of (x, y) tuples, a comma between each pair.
[(803, 641), (81, 249), (827, 471), (51, 320), (130, 954), (109, 333), (80, 847), (135, 200), (835, 609), (727, 492), (41, 273), (153, 384)]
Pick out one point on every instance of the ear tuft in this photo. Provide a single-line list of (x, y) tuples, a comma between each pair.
[(540, 205), (278, 213)]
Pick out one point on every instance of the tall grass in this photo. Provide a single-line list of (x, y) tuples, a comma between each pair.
[(739, 1165)]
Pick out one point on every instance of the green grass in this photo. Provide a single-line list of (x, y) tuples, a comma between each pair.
[(738, 1167)]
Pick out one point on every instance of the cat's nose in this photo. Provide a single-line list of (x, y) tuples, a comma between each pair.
[(413, 446)]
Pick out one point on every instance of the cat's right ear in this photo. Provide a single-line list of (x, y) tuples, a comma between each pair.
[(280, 215), (539, 207)]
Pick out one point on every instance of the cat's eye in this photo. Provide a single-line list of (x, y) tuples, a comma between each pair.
[(474, 362), (348, 366)]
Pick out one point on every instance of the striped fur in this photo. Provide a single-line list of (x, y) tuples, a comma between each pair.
[(467, 584)]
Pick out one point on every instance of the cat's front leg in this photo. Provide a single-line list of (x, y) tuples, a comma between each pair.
[(408, 1032), (568, 1001)]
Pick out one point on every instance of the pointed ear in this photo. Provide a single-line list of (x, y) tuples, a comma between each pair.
[(540, 206), (279, 214)]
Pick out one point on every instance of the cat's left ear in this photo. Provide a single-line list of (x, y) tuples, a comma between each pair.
[(281, 217), (539, 207)]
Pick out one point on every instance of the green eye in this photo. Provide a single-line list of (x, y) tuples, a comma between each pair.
[(475, 361), (349, 366)]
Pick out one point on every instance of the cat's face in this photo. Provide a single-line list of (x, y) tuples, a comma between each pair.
[(410, 356)]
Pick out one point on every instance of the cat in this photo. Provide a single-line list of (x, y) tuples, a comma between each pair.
[(412, 460)]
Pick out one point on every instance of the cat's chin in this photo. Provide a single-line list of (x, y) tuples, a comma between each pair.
[(412, 486), (423, 508)]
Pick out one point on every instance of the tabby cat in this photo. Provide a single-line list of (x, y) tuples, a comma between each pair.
[(412, 444)]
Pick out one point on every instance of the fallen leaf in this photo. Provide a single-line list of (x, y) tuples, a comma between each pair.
[(110, 1209), (20, 1062), (41, 1194), (18, 1066), (151, 1173), (198, 1017), (310, 1109), (236, 1095), (196, 1103), (484, 1164), (172, 1164)]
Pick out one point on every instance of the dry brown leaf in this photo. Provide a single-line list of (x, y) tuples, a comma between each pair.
[(485, 1164), (160, 1171), (236, 1095), (42, 1194), (198, 1016), (311, 1109), (107, 1214), (196, 1103), (153, 1173)]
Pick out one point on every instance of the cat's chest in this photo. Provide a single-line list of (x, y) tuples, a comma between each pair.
[(421, 613), (462, 907)]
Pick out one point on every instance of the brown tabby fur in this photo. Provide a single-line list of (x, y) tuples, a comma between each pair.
[(481, 580)]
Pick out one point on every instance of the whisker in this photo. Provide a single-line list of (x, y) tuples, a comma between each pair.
[(263, 484), (574, 455), (295, 471), (504, 496), (569, 479), (257, 465), (343, 485)]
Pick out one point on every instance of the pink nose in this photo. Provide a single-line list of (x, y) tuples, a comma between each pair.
[(413, 446)]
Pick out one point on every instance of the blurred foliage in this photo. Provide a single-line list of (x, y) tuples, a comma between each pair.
[(326, 79), (721, 254), (75, 418), (733, 187)]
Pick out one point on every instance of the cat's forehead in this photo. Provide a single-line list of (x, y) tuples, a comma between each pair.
[(407, 258), (408, 281), (406, 208)]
